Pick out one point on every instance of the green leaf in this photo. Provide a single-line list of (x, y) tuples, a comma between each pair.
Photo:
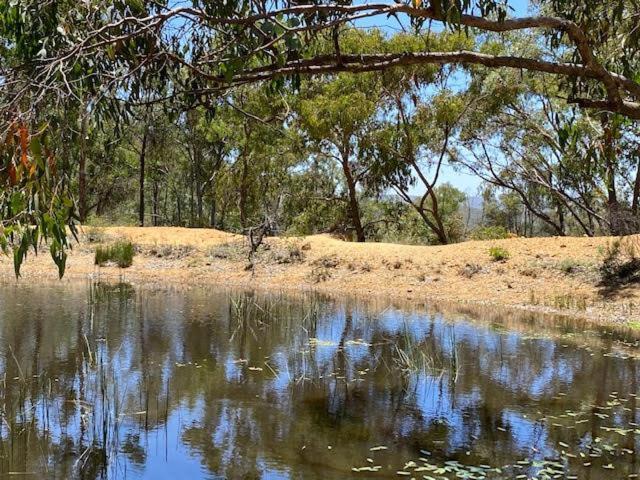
[(59, 257), (36, 151), (17, 203)]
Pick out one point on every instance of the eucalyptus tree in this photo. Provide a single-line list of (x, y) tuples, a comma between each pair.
[(112, 54), (316, 202), (109, 171), (337, 115), (511, 143), (258, 119), (559, 160), (197, 48), (217, 135), (159, 148), (207, 143), (409, 152)]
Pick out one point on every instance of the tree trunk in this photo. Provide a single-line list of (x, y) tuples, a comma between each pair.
[(636, 190), (143, 153), (82, 174), (191, 195), (243, 192), (82, 189), (223, 215), (440, 230), (179, 209), (212, 218), (561, 221), (608, 150), (354, 207), (441, 235), (165, 203), (155, 202), (198, 187)]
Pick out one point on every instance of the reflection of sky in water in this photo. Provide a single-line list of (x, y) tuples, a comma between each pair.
[(167, 455), (202, 392), (524, 432)]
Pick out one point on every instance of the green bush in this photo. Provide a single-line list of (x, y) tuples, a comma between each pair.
[(498, 254), (489, 233), (120, 253)]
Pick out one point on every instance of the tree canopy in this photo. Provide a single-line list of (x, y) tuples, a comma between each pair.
[(121, 51), (69, 69)]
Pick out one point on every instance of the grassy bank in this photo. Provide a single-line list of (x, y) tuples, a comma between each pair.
[(548, 274)]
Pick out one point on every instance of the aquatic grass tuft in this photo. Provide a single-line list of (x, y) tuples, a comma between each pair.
[(120, 253)]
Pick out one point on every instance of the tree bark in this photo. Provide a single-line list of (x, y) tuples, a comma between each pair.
[(199, 191), (212, 219), (354, 207), (179, 209), (636, 191), (608, 151), (440, 231), (560, 213), (155, 203), (82, 174), (243, 192), (143, 153)]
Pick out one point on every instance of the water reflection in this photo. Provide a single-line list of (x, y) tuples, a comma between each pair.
[(110, 381)]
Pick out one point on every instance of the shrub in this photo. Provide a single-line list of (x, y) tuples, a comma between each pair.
[(569, 266), (319, 274), (489, 233), (529, 272), (228, 251), (621, 264), (120, 253), (498, 254), (569, 301), (171, 251)]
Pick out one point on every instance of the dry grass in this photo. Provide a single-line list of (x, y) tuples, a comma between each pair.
[(401, 271), (199, 238)]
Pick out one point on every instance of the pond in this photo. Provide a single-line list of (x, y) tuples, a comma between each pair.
[(116, 381)]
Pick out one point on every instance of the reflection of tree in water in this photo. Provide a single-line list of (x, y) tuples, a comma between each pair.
[(239, 382)]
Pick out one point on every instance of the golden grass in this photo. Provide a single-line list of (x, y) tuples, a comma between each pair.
[(531, 278)]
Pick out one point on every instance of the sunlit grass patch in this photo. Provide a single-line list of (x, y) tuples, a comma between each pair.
[(499, 254), (121, 253), (635, 325)]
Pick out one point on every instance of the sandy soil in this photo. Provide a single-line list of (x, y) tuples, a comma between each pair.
[(535, 277)]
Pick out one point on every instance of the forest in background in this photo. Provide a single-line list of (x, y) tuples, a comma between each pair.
[(362, 156), (303, 117)]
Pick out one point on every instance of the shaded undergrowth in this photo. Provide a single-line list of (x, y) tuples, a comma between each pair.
[(620, 266)]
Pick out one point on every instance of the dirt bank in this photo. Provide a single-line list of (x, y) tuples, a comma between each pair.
[(549, 274)]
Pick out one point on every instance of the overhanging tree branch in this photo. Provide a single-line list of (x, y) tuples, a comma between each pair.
[(302, 22)]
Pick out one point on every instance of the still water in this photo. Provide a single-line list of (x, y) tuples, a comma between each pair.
[(115, 381)]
